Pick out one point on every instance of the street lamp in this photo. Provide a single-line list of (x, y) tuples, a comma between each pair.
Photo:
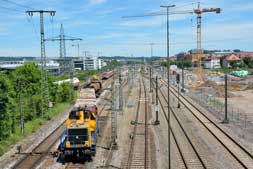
[(78, 50), (168, 77)]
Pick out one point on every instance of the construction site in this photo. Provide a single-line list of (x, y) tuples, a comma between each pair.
[(159, 108)]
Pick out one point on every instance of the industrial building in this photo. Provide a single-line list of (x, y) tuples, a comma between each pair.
[(89, 63)]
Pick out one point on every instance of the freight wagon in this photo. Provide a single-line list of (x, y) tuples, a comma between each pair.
[(96, 84)]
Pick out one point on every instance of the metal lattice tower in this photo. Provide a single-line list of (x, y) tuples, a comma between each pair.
[(71, 76), (44, 83), (65, 63), (62, 43)]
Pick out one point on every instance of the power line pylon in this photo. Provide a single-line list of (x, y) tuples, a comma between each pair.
[(63, 60), (44, 83), (66, 64)]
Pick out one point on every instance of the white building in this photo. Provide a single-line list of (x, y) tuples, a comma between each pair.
[(93, 63), (212, 63)]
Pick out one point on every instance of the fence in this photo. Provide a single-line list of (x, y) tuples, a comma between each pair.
[(206, 98)]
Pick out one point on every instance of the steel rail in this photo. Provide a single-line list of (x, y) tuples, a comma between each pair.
[(185, 101)]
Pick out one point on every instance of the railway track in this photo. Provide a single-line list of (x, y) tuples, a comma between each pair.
[(138, 156), (237, 151), (189, 155), (110, 150), (32, 159)]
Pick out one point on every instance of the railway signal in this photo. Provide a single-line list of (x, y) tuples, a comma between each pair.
[(157, 122), (182, 89)]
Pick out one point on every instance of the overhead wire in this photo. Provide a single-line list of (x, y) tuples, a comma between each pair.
[(52, 24), (18, 4), (33, 25), (11, 9), (29, 20), (180, 43)]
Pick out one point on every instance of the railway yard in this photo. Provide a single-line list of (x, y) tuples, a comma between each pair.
[(133, 138), (139, 85)]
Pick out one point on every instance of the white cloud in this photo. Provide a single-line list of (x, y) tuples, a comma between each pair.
[(96, 2)]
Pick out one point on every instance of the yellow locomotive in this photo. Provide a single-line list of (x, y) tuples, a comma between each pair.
[(80, 136)]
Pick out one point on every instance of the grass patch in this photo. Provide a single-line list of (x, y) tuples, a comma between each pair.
[(31, 127), (215, 102)]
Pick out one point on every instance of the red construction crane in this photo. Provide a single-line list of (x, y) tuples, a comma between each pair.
[(198, 12)]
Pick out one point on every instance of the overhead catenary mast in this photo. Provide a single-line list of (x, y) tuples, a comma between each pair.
[(44, 82)]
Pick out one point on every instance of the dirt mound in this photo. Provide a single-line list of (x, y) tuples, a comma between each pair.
[(249, 87), (219, 89), (236, 87)]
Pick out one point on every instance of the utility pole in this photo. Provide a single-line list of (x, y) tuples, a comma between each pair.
[(113, 115), (157, 122), (150, 78), (85, 53), (21, 110), (226, 120), (120, 91), (150, 71), (168, 77), (44, 82)]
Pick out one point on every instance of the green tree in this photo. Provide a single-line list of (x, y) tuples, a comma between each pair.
[(236, 64), (29, 76), (248, 62), (6, 106), (63, 93)]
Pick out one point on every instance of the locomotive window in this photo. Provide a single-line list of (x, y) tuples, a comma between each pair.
[(92, 117), (78, 132), (86, 114), (73, 115)]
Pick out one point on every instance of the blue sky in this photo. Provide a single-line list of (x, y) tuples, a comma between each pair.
[(103, 30)]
